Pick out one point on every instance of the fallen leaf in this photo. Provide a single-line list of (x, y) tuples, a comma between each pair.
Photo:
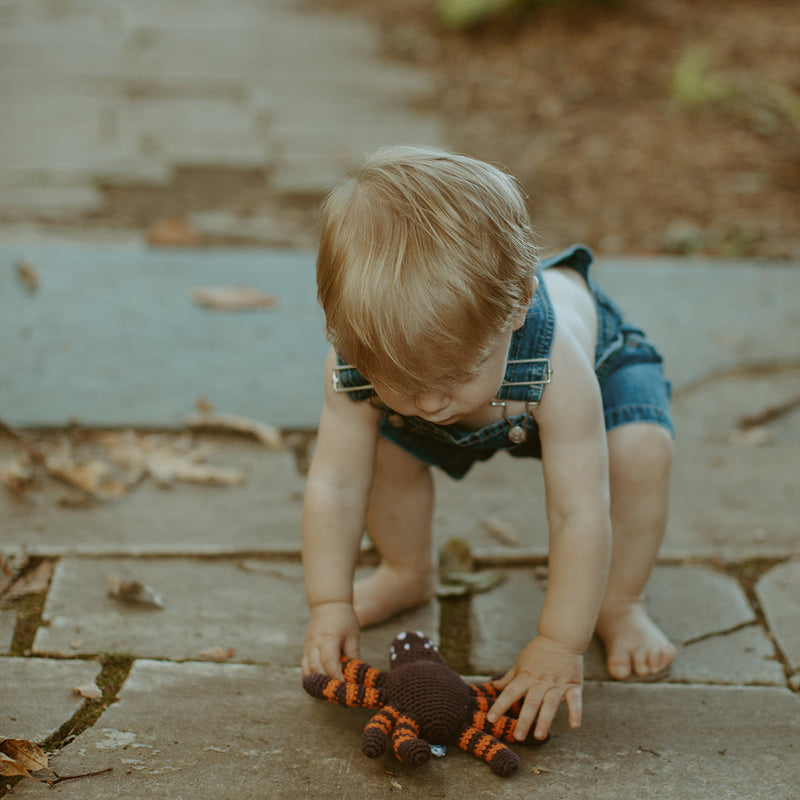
[(217, 653), (756, 436), (539, 770), (28, 755), (167, 461), (18, 475), (232, 298), (88, 690), (264, 433), (456, 556), (175, 231), (504, 532), (91, 476), (34, 582), (28, 275), (133, 591), (457, 584), (11, 769)]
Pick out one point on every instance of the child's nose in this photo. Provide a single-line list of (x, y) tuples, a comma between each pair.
[(432, 402)]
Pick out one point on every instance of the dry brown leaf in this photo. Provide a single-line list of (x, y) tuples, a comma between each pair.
[(133, 591), (18, 475), (217, 653), (28, 275), (11, 769), (232, 298), (264, 433), (87, 476), (88, 690), (28, 755), (168, 461), (175, 231), (756, 436), (34, 582), (504, 532)]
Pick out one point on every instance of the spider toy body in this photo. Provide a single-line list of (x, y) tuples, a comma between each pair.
[(422, 702)]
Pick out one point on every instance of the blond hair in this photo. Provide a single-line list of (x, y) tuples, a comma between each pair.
[(425, 258)]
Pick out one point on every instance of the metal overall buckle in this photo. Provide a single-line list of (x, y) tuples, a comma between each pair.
[(517, 434), (337, 381)]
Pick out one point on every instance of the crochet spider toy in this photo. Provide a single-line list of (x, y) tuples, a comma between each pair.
[(422, 702)]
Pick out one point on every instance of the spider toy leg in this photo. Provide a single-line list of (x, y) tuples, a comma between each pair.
[(377, 732), (407, 745), (485, 694), (361, 686), (502, 760)]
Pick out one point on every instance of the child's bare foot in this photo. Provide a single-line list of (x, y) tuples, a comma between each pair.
[(388, 591), (634, 644)]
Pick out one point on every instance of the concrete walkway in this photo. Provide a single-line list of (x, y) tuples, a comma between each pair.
[(111, 338)]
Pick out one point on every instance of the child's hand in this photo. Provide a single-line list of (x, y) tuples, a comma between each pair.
[(332, 632), (547, 672)]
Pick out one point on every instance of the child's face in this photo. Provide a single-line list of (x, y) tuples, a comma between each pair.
[(446, 406)]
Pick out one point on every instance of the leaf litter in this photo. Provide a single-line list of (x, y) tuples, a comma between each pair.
[(20, 757), (133, 592), (125, 459)]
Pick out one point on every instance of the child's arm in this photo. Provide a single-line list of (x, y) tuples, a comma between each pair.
[(334, 512), (575, 463)]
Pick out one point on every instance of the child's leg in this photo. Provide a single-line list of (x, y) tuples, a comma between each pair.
[(640, 456), (399, 521)]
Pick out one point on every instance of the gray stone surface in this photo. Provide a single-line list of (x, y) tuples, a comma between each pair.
[(245, 730), (728, 502), (140, 89), (262, 515), (703, 612), (8, 621), (37, 695), (255, 608), (136, 350), (779, 594)]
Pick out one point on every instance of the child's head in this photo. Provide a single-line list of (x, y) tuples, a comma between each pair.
[(425, 258)]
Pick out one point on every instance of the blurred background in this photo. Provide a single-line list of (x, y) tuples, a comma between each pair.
[(636, 126)]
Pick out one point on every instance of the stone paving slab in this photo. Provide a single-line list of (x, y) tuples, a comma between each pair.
[(137, 351), (130, 347), (258, 609), (779, 594), (139, 89), (703, 612), (248, 731), (727, 502), (37, 695), (263, 515)]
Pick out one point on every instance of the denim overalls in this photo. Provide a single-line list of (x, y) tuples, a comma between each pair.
[(628, 369)]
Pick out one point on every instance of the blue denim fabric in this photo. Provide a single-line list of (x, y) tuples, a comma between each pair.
[(628, 369)]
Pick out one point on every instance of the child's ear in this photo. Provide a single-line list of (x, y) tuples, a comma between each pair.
[(519, 319)]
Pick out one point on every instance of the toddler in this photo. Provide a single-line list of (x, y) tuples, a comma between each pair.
[(450, 341)]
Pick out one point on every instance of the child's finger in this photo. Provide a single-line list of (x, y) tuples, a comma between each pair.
[(528, 714), (507, 698), (574, 698), (331, 662), (547, 712)]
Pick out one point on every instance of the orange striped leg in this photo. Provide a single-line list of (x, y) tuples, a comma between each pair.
[(363, 674), (502, 760), (486, 694), (376, 734), (346, 694), (407, 745)]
